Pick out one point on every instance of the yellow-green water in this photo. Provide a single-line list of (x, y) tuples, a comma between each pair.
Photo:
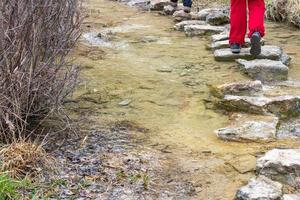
[(169, 104)]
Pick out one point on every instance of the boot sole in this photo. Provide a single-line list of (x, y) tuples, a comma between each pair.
[(255, 45), (235, 51)]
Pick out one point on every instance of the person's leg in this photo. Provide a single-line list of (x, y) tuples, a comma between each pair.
[(187, 3), (256, 17), (238, 22)]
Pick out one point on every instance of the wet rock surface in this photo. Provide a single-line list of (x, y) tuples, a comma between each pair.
[(291, 197), (243, 88), (180, 26), (264, 69), (260, 188), (196, 30), (281, 165), (246, 128), (268, 52)]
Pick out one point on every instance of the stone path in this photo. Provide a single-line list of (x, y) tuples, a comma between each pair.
[(256, 115)]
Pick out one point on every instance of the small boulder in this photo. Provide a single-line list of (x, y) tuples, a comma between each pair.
[(169, 10), (291, 197), (245, 128), (158, 5), (217, 18), (285, 59), (260, 188), (243, 88), (194, 30), (264, 69), (180, 15), (268, 52), (141, 4), (281, 165), (180, 26)]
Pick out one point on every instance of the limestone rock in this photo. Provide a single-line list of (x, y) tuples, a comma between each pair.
[(289, 129), (285, 59), (281, 165), (243, 88), (142, 4), (268, 52), (283, 106), (180, 15), (291, 197), (220, 37), (217, 18), (260, 188), (245, 128), (194, 30), (180, 26), (169, 10), (264, 69), (159, 5)]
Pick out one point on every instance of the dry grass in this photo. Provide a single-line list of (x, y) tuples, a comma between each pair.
[(20, 159), (284, 10)]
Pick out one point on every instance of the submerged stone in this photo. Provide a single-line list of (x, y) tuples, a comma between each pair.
[(194, 30), (264, 69), (245, 128), (243, 88), (158, 5), (281, 165), (180, 26), (268, 52), (260, 188)]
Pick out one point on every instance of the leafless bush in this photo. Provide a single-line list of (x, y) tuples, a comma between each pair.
[(35, 38)]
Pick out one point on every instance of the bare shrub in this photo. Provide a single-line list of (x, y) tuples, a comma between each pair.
[(284, 10), (35, 38)]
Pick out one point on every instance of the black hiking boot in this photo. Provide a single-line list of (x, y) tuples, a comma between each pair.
[(255, 44), (235, 48)]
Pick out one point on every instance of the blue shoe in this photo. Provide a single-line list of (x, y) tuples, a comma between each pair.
[(235, 48), (255, 44)]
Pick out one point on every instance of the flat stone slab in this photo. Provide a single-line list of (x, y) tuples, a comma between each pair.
[(220, 37), (264, 69), (158, 5), (291, 197), (281, 165), (141, 4), (218, 17), (282, 106), (243, 88), (268, 52), (194, 30), (250, 128), (180, 26), (260, 188)]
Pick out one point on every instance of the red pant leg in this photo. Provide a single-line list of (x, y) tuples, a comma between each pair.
[(256, 16), (238, 21)]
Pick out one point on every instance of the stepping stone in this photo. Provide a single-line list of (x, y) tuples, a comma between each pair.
[(225, 44), (264, 69), (204, 13), (220, 37), (141, 4), (268, 52), (217, 18), (194, 30), (282, 106), (250, 128), (158, 5), (180, 26), (289, 129), (291, 197), (281, 165), (243, 88), (180, 15), (169, 10), (260, 188)]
